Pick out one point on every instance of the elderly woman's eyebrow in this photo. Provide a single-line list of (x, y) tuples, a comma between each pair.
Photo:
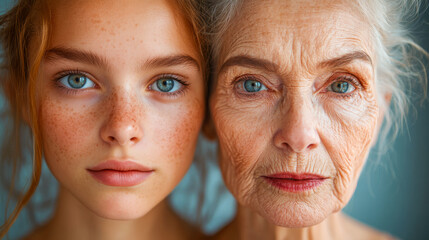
[(249, 61), (346, 59)]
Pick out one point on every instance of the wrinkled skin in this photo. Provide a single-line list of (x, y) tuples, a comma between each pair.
[(298, 124), (122, 116)]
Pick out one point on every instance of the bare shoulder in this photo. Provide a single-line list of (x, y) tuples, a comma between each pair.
[(357, 230)]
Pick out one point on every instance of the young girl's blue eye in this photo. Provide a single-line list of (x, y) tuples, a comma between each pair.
[(341, 87), (166, 85), (253, 86), (76, 81)]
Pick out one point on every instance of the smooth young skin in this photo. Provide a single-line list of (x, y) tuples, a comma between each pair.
[(296, 123), (123, 47)]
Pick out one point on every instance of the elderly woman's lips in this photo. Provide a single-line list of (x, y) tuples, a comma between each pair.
[(293, 182)]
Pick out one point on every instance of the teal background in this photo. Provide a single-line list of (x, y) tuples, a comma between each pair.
[(392, 194)]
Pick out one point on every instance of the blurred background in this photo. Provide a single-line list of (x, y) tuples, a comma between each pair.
[(392, 194)]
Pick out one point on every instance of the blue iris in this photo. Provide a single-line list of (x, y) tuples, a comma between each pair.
[(340, 87), (165, 84), (252, 86), (76, 80)]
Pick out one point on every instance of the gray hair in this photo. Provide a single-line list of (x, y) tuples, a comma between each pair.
[(399, 69)]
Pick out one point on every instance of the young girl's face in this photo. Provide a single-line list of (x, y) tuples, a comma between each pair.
[(121, 102)]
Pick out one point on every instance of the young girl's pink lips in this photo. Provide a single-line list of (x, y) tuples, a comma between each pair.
[(295, 182), (120, 173)]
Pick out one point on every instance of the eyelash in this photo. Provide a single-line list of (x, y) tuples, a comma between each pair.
[(336, 77), (76, 91), (71, 72), (238, 81), (173, 77), (347, 78)]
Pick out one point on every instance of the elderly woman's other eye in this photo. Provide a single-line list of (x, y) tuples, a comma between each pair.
[(253, 86), (76, 81)]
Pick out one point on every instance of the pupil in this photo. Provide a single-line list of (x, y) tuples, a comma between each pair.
[(341, 87), (165, 85), (252, 86), (77, 81)]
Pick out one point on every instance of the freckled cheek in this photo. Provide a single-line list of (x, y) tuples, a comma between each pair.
[(66, 131), (179, 131)]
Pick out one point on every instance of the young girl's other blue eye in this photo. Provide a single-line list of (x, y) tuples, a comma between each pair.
[(76, 81), (253, 86), (166, 85)]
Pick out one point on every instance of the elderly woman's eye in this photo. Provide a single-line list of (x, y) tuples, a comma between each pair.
[(166, 85), (253, 86), (76, 81), (341, 87)]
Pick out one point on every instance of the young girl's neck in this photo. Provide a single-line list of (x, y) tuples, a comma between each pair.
[(72, 220)]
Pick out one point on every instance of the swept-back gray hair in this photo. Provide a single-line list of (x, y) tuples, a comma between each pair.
[(399, 69)]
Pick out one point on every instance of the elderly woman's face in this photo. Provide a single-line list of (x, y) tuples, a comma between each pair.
[(295, 107)]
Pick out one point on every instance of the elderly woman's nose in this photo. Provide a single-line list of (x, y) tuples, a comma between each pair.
[(123, 123), (298, 128)]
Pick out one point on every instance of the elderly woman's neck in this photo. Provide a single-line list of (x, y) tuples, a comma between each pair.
[(250, 225)]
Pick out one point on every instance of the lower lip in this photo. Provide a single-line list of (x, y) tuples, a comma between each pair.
[(295, 185), (120, 178)]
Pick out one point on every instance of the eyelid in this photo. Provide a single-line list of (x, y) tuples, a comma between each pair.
[(255, 77), (175, 77), (341, 76), (66, 73)]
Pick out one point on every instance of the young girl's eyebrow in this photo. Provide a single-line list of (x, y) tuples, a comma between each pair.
[(75, 55), (172, 60), (91, 58)]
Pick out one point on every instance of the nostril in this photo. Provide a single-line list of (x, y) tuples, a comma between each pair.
[(312, 146), (133, 139), (112, 139)]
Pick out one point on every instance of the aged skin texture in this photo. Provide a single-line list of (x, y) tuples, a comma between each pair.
[(295, 97), (100, 98)]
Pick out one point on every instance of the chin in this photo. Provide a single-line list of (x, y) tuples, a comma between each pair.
[(293, 210), (120, 208), (294, 214)]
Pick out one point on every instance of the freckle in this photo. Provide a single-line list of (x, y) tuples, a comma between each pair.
[(103, 29)]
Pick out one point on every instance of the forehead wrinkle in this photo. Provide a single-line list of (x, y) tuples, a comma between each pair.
[(296, 54)]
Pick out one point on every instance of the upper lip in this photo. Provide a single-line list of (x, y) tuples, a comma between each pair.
[(296, 176), (120, 165)]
